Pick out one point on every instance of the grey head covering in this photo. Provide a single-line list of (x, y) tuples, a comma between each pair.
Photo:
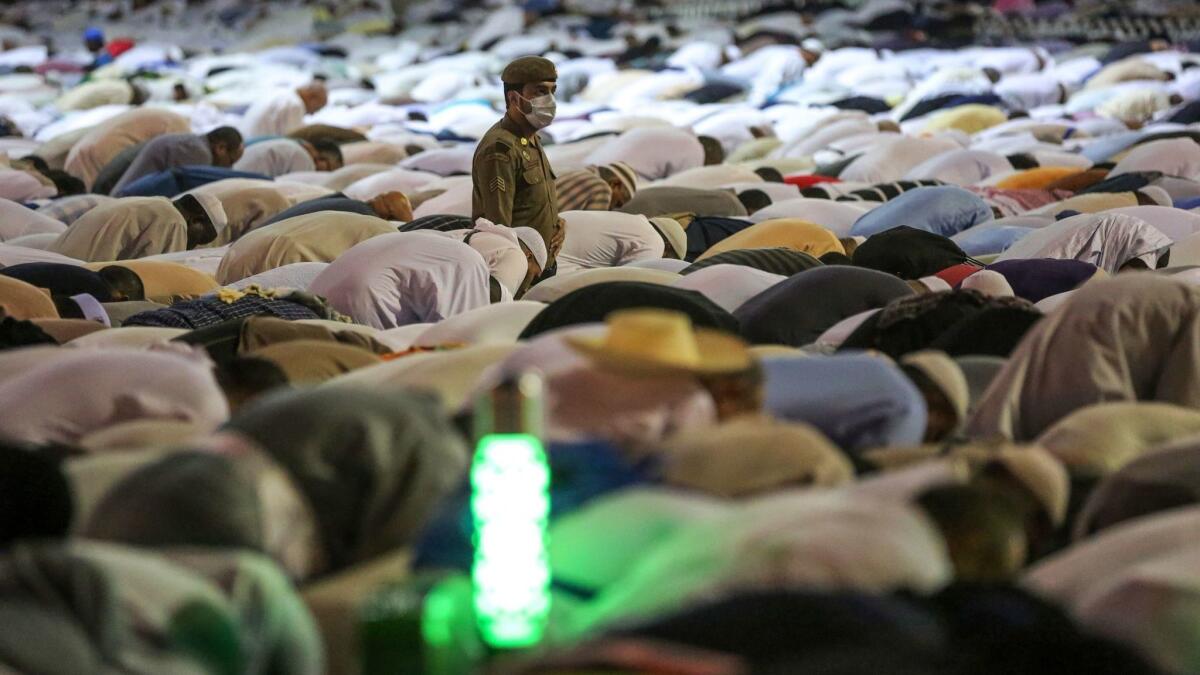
[(372, 465)]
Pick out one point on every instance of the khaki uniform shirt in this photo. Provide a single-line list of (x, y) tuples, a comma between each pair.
[(513, 182)]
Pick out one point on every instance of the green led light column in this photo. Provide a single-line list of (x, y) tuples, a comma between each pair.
[(510, 503)]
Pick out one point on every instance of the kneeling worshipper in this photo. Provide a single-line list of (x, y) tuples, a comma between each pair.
[(403, 278), (142, 226), (281, 156), (220, 147), (515, 256), (1130, 338), (595, 239), (596, 188), (101, 145), (316, 237), (393, 206)]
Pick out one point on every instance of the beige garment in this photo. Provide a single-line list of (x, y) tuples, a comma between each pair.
[(373, 152), (316, 237), (792, 233), (95, 94), (55, 150), (247, 209), (450, 374), (129, 228), (1135, 337), (165, 280), (1088, 203), (142, 435), (133, 337), (106, 141), (307, 362), (1101, 439), (259, 332), (559, 285), (752, 454), (20, 300), (1126, 70)]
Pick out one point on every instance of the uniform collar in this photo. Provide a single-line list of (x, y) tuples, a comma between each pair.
[(511, 127)]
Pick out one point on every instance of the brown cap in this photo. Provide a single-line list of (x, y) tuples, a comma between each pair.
[(529, 69)]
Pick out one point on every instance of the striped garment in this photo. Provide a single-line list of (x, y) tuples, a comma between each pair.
[(881, 192), (439, 222), (583, 190), (69, 209), (783, 261)]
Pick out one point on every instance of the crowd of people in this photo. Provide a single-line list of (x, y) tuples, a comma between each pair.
[(863, 348)]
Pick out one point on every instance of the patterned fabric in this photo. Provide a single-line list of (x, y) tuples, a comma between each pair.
[(210, 311), (1015, 202), (69, 209), (583, 190), (440, 223), (783, 261)]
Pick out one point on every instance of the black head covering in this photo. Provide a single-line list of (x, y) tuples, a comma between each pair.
[(781, 261), (15, 333), (35, 497), (796, 311), (994, 331), (915, 323), (592, 304), (1126, 182), (908, 253), (707, 231), (61, 279)]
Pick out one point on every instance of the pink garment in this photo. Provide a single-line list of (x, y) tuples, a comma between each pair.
[(78, 391)]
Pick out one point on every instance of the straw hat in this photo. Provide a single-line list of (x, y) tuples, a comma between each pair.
[(647, 341)]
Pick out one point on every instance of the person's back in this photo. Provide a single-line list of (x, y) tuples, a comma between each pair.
[(127, 228), (102, 144), (165, 152), (330, 203)]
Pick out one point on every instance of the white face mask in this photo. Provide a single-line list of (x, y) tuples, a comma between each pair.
[(543, 110)]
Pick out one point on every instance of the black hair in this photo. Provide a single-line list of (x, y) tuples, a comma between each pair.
[(250, 375), (123, 281), (66, 184), (754, 200), (227, 136), (1023, 161), (15, 333), (769, 174), (324, 147), (835, 258), (714, 152)]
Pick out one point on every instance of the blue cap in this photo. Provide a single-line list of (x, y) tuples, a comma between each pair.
[(93, 33)]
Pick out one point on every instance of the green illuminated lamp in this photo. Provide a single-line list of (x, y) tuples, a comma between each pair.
[(510, 503)]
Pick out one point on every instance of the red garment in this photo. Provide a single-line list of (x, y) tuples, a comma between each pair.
[(955, 275), (808, 180), (118, 47)]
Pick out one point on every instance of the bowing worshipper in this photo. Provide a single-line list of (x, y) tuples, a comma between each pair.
[(392, 206), (247, 209), (591, 304), (316, 237), (280, 156), (220, 147), (595, 239), (1101, 439), (653, 152), (1162, 480), (790, 233), (310, 362), (795, 312), (103, 143), (515, 256), (729, 286), (661, 201), (1112, 242), (1132, 335), (17, 220), (909, 253), (108, 284), (651, 342), (227, 303), (141, 226), (67, 210), (281, 112), (398, 279), (372, 468), (101, 92), (596, 188), (512, 181), (193, 610), (47, 405)]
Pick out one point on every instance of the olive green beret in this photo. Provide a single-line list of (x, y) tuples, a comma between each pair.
[(529, 69)]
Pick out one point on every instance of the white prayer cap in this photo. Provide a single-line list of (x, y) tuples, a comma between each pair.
[(534, 242)]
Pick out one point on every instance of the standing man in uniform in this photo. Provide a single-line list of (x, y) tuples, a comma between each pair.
[(511, 175)]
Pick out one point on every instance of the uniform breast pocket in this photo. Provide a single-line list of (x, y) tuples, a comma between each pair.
[(533, 175)]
